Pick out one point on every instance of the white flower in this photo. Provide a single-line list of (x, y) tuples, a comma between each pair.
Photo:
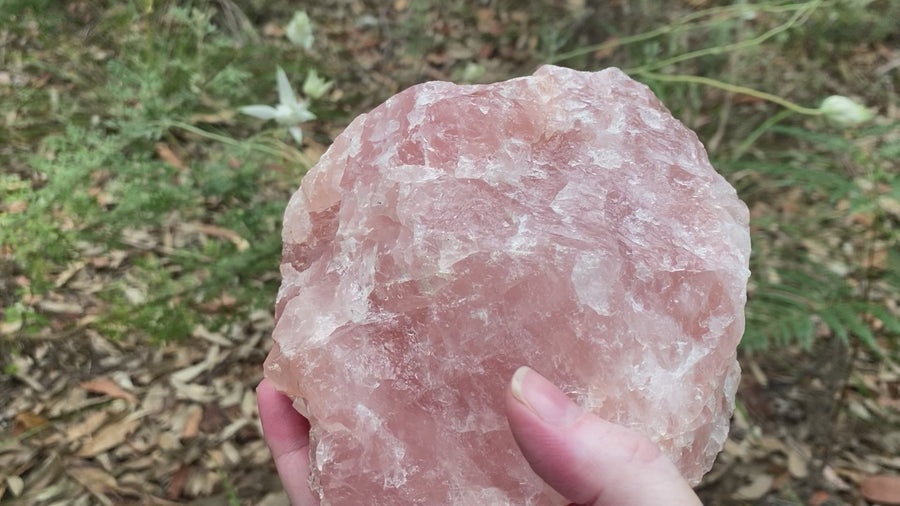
[(314, 86), (289, 111), (844, 111), (472, 73), (299, 30)]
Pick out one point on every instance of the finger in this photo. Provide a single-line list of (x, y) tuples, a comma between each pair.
[(586, 459), (287, 435)]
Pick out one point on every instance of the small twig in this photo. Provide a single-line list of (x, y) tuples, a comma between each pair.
[(685, 78), (681, 24), (725, 112), (758, 131), (795, 19), (233, 142)]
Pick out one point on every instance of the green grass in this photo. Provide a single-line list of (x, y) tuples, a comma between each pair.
[(89, 177)]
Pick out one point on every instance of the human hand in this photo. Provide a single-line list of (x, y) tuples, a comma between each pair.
[(287, 434), (586, 459)]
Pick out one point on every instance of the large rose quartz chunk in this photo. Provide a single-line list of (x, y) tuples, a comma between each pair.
[(563, 220)]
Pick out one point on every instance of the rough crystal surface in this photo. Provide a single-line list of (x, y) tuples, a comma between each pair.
[(563, 220)]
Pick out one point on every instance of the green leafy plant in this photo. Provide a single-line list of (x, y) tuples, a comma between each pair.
[(157, 175), (833, 264)]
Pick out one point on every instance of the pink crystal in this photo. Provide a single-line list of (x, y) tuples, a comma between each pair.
[(563, 220)]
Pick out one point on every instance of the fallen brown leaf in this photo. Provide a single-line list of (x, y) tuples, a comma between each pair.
[(16, 206), (8, 328), (61, 307), (26, 421), (757, 488), (818, 498), (167, 155), (96, 480), (831, 476), (488, 22), (176, 485), (272, 30), (216, 231), (890, 205), (106, 386), (878, 259), (609, 48), (192, 424), (797, 463), (16, 485), (67, 274), (90, 424), (108, 437)]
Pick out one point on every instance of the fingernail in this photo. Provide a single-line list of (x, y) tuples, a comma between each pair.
[(543, 398)]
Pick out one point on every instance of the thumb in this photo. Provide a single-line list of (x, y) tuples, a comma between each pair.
[(585, 458)]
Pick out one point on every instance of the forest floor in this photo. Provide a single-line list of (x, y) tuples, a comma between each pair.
[(97, 409)]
